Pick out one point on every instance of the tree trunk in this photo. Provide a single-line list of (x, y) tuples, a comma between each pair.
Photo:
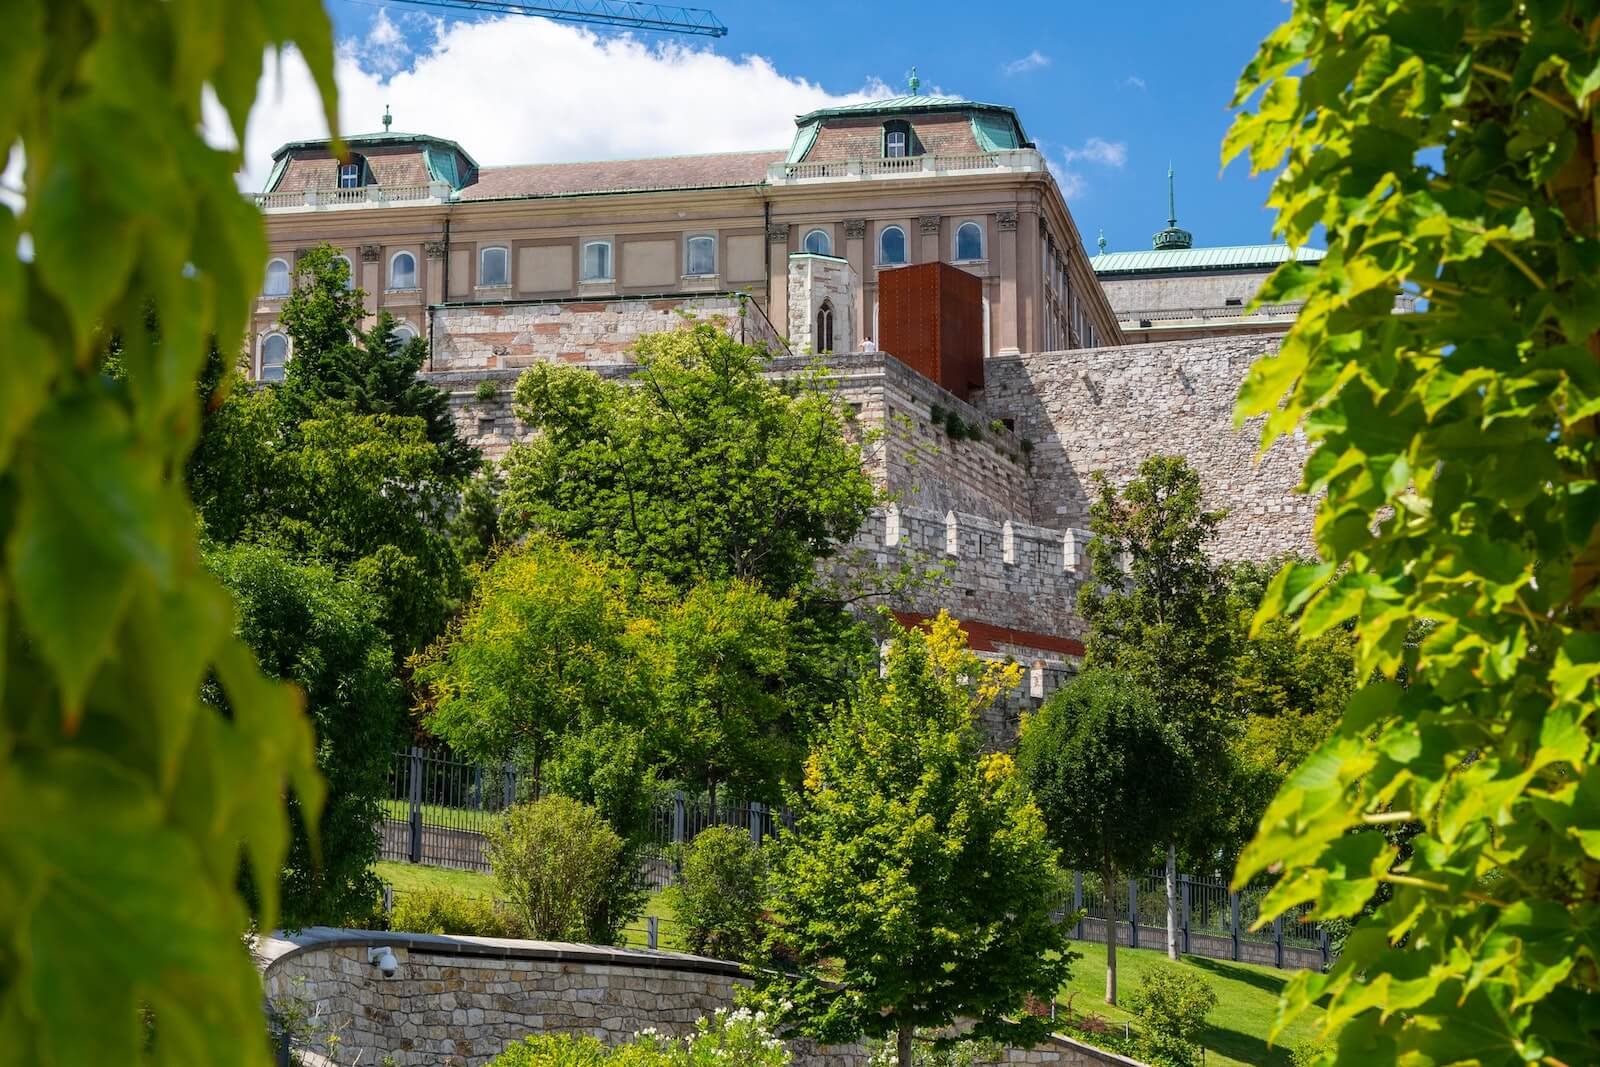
[(903, 1042), (1172, 901), (1109, 879)]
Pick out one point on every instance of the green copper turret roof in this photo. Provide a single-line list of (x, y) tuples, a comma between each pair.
[(1173, 237), (911, 105), (370, 139)]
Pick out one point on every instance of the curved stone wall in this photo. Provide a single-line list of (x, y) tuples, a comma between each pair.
[(460, 1000)]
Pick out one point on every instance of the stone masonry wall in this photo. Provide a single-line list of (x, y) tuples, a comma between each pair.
[(1108, 409), (459, 1001)]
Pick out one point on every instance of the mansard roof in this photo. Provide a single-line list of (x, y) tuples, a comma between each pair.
[(712, 171), (1220, 258)]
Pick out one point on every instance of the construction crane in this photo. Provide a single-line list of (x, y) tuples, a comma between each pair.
[(663, 18)]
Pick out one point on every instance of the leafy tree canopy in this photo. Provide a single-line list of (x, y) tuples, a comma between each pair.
[(320, 631), (1448, 148), (918, 885), (696, 468), (127, 804)]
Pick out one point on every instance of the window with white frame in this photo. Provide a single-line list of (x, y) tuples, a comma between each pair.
[(403, 332), (277, 279), (596, 262), (892, 246), (350, 176), (403, 271), (349, 271), (896, 139), (818, 242), (700, 255), (274, 354), (494, 268), (969, 242)]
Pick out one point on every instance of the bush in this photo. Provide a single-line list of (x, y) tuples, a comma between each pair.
[(740, 1038), (444, 911), (565, 871), (1172, 1004), (487, 390), (720, 896)]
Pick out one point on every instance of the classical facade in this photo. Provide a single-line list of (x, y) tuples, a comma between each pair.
[(874, 186)]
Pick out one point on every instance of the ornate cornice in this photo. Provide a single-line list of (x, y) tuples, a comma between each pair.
[(1006, 220), (855, 228), (370, 253), (777, 231), (930, 223), (433, 249)]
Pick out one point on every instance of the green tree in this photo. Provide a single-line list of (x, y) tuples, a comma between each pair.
[(1164, 620), (723, 650), (719, 895), (1448, 148), (547, 647), (698, 468), (126, 804), (918, 885), (320, 631), (370, 371), (1110, 775)]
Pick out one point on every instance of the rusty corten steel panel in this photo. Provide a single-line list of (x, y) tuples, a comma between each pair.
[(930, 317)]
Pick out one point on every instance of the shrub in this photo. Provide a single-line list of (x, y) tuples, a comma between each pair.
[(1172, 1004), (444, 911), (924, 1053), (740, 1038), (487, 390), (565, 871), (954, 428), (719, 899)]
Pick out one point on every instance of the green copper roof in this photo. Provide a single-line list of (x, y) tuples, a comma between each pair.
[(1230, 257), (911, 105)]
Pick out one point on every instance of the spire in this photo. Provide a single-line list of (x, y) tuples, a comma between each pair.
[(387, 118), (916, 82), (1172, 237), (1102, 241)]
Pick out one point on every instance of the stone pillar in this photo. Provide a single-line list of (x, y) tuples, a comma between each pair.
[(931, 229), (1030, 281), (433, 273), (1004, 318), (778, 265), (855, 253), (370, 277)]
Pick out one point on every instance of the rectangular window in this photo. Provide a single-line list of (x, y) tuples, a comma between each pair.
[(700, 256), (494, 268), (894, 144), (350, 176), (597, 261)]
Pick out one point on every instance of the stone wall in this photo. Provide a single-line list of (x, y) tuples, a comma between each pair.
[(460, 1000), (1108, 409), (813, 279), (481, 337), (1145, 292)]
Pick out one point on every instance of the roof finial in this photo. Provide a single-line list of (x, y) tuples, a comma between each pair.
[(1172, 237), (387, 118), (1172, 204), (916, 82), (1102, 241)]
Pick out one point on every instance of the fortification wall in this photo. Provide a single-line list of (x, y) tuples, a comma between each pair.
[(1108, 409), (460, 1000)]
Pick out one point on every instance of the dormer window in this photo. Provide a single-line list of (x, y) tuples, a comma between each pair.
[(897, 142), (350, 176)]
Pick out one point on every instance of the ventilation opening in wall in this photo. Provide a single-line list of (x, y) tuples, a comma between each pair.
[(1009, 424), (486, 427), (1144, 324), (1234, 302)]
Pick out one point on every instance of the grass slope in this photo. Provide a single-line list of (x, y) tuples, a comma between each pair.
[(1247, 1002), (1247, 995)]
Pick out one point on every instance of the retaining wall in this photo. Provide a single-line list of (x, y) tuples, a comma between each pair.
[(460, 1000)]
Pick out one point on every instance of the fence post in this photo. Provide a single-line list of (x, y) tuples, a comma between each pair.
[(1277, 941), (677, 816), (1322, 943), (652, 927), (1133, 913), (416, 804), (755, 823), (1183, 880), (388, 898), (1233, 923), (509, 786), (1077, 900)]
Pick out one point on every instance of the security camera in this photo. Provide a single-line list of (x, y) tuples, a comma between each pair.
[(383, 959)]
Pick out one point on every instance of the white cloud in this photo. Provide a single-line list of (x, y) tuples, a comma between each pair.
[(526, 90), (1032, 61), (1099, 150), (1133, 81)]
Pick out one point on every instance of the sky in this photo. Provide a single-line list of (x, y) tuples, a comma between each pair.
[(1110, 92)]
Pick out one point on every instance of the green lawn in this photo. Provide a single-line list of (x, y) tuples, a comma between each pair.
[(1247, 995), (1247, 1001)]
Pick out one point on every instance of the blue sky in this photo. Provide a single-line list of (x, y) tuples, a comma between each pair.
[(1110, 92)]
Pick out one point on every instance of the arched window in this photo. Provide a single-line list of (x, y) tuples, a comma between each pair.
[(700, 255), (825, 327), (349, 272), (403, 271), (818, 242), (494, 268), (403, 332), (969, 242), (597, 261), (274, 354), (897, 139), (277, 279), (892, 246)]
